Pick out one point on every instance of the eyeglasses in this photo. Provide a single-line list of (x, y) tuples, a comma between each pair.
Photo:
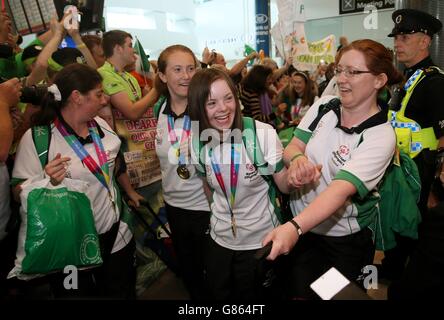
[(349, 73)]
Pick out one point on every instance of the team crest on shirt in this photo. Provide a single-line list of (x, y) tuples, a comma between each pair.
[(251, 171), (341, 155), (344, 151)]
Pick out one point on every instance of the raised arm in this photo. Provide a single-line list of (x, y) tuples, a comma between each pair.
[(81, 46), (237, 68), (134, 110), (41, 65), (277, 73)]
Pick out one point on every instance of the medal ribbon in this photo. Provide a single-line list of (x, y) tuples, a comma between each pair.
[(173, 138), (102, 172), (295, 111), (234, 173), (125, 76)]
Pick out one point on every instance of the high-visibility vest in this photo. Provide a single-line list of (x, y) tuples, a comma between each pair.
[(410, 137)]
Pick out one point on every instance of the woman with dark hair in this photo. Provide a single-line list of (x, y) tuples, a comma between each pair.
[(83, 147), (296, 98), (185, 202), (336, 159), (253, 93), (241, 211)]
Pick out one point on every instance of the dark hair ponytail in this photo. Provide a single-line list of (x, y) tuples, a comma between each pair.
[(49, 109), (72, 77)]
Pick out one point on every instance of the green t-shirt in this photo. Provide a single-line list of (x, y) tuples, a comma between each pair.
[(115, 82), (138, 146)]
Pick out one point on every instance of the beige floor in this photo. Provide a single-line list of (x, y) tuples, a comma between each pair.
[(170, 287)]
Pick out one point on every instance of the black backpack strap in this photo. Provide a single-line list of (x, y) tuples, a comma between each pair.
[(333, 104)]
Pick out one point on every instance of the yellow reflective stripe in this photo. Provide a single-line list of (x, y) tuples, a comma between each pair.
[(407, 140), (426, 137), (409, 92)]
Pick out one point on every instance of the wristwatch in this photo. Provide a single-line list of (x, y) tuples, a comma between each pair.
[(297, 226)]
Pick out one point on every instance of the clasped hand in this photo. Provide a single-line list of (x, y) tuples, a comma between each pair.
[(302, 171)]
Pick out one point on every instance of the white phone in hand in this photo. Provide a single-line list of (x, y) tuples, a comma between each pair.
[(329, 284)]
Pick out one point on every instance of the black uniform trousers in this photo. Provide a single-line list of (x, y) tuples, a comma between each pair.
[(188, 232), (315, 254), (423, 277)]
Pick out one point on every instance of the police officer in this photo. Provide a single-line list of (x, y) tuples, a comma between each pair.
[(419, 122)]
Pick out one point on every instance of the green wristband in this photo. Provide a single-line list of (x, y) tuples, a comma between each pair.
[(297, 155)]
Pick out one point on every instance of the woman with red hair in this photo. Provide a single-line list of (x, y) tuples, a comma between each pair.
[(337, 157)]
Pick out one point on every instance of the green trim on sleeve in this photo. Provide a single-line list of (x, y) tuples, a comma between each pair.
[(302, 135), (347, 176), (200, 174), (200, 170), (279, 166), (16, 181)]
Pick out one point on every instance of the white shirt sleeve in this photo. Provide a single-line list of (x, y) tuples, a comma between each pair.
[(371, 158), (27, 164)]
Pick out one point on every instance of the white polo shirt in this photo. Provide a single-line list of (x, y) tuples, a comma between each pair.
[(360, 158), (180, 193), (253, 210), (27, 165)]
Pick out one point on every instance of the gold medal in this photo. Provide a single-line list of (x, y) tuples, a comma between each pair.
[(183, 172), (233, 226)]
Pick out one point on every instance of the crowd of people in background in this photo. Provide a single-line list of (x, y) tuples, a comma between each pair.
[(324, 137)]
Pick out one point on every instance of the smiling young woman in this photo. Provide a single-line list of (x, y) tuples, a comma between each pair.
[(185, 201), (241, 210)]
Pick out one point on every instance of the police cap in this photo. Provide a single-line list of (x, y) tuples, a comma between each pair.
[(409, 21)]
